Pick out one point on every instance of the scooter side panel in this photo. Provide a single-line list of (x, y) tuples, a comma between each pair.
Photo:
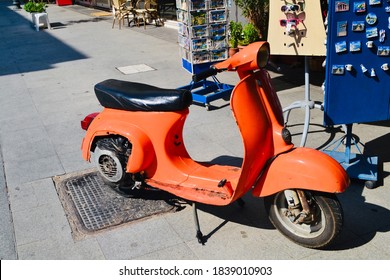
[(302, 168)]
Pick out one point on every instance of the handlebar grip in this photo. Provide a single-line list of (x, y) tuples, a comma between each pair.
[(205, 74)]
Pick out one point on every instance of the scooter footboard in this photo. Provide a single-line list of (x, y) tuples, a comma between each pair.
[(302, 168)]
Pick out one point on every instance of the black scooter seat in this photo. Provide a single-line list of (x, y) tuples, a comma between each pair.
[(129, 96)]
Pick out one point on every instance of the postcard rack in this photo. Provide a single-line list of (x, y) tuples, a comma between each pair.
[(203, 41)]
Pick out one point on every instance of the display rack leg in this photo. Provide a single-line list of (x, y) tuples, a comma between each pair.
[(357, 165), (308, 104)]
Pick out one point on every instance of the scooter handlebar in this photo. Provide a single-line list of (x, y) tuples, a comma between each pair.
[(212, 71)]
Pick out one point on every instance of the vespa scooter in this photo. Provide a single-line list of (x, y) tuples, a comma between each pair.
[(137, 142)]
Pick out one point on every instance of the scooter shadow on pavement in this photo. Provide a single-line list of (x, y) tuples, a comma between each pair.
[(362, 220), (379, 147), (249, 212)]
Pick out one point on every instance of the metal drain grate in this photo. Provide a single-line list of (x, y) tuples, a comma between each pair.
[(91, 205), (90, 201)]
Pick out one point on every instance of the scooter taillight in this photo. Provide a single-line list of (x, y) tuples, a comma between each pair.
[(87, 120)]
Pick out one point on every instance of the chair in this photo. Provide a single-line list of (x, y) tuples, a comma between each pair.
[(139, 12), (120, 11), (146, 9), (152, 12)]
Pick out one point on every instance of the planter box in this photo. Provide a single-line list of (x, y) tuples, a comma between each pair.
[(40, 20)]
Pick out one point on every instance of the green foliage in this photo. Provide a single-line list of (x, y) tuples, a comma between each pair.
[(235, 34), (250, 34), (35, 7), (257, 12)]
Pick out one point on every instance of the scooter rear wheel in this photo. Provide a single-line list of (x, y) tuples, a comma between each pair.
[(320, 232), (111, 155)]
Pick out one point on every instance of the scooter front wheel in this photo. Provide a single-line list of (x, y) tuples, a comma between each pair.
[(318, 229)]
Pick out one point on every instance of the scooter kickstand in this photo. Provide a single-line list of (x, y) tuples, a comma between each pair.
[(199, 234)]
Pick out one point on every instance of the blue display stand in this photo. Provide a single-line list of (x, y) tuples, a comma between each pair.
[(358, 62), (195, 68), (357, 88), (206, 91)]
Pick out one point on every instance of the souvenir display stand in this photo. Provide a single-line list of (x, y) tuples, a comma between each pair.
[(296, 27), (203, 30), (357, 74), (357, 81)]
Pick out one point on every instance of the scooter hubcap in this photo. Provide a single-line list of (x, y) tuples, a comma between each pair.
[(310, 229), (109, 165)]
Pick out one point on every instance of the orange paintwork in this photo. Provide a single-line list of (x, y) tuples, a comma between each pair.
[(158, 148), (162, 156), (303, 168)]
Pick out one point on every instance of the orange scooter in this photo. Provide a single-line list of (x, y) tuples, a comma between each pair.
[(137, 142)]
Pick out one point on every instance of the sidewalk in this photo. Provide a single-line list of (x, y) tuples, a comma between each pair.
[(47, 81)]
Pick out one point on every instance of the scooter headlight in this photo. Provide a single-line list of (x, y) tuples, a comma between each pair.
[(263, 55)]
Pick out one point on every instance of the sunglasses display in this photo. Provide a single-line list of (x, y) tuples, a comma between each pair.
[(285, 22), (301, 16), (294, 14), (290, 8)]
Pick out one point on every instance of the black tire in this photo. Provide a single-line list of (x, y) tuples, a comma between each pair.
[(111, 155), (318, 234)]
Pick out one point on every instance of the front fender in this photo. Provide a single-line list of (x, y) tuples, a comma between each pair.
[(142, 153), (302, 168)]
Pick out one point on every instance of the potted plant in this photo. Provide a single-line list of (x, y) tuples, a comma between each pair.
[(257, 12), (235, 36), (35, 7), (38, 13), (250, 34)]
